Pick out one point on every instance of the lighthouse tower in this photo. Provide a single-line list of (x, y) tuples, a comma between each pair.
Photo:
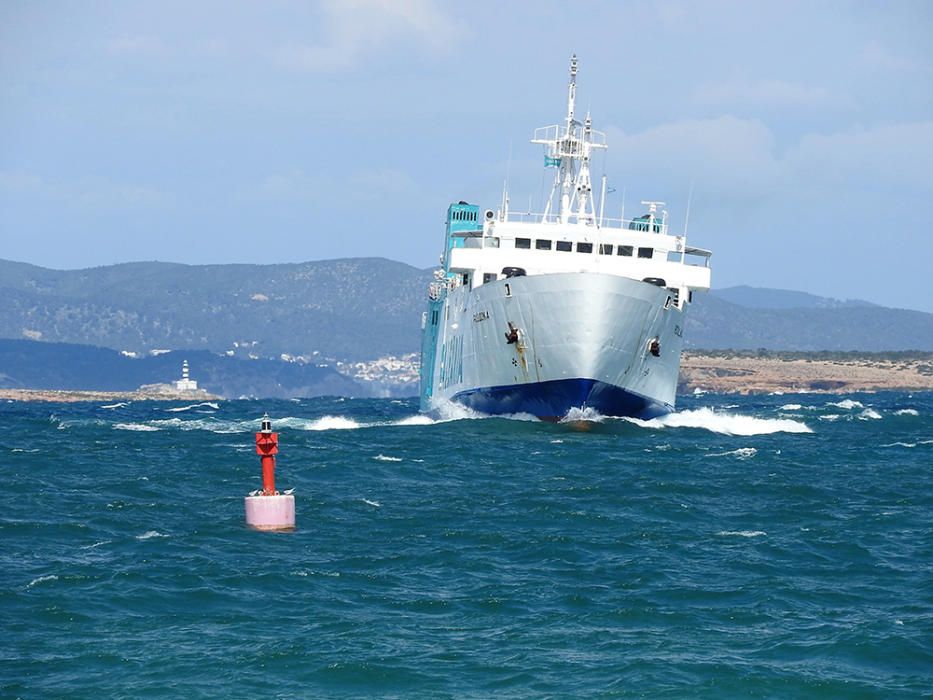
[(185, 383)]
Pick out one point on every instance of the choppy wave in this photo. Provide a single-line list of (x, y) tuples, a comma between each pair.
[(112, 406), (741, 453), (203, 404), (150, 534), (386, 458), (741, 533), (138, 427), (869, 414), (907, 412), (791, 407), (725, 423), (41, 579), (590, 415), (847, 404)]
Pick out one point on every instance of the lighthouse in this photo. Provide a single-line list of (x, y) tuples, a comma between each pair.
[(185, 383)]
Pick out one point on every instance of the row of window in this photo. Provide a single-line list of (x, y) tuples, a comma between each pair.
[(566, 246), (463, 215)]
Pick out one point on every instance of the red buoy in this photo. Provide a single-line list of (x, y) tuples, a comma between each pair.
[(269, 509), (267, 447)]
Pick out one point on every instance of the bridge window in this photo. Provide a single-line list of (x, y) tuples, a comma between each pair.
[(645, 252), (565, 246), (605, 249), (489, 277), (523, 243), (542, 244), (626, 250), (584, 247)]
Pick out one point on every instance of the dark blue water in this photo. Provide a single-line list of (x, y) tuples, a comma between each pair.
[(774, 546)]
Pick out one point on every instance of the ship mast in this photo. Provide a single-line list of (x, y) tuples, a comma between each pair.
[(569, 149)]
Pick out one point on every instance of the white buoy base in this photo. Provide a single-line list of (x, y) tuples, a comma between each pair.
[(270, 512)]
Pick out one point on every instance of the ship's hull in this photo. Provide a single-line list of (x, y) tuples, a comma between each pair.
[(584, 341)]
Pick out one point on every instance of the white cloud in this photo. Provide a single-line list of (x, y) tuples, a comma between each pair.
[(353, 28), (765, 92), (138, 45), (19, 182), (875, 55), (895, 156)]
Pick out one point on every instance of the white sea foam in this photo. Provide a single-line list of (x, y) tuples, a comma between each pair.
[(419, 419), (907, 412), (208, 404), (138, 427), (332, 423), (41, 579), (374, 504), (847, 404), (116, 405), (741, 533), (149, 534), (386, 458), (725, 423), (740, 453), (869, 414), (791, 407), (575, 415), (96, 544), (900, 444), (557, 442), (830, 417), (25, 449)]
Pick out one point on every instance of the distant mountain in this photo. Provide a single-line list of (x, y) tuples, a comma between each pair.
[(763, 298), (347, 309), (364, 308), (34, 365)]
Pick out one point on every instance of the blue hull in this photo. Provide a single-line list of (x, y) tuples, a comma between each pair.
[(552, 400)]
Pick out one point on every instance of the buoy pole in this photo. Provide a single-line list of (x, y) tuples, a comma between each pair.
[(269, 510)]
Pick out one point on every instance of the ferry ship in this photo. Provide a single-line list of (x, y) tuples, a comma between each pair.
[(543, 313)]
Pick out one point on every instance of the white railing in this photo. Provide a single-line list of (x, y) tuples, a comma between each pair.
[(641, 225)]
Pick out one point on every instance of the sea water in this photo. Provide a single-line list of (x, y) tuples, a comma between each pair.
[(776, 546)]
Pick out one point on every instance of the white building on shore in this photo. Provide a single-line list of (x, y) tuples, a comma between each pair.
[(185, 383)]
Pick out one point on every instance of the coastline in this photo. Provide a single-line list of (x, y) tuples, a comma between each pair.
[(764, 372), (149, 392), (723, 372)]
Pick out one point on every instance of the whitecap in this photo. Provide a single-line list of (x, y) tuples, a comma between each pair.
[(698, 391), (726, 423), (575, 415), (557, 442), (419, 419), (869, 414), (374, 504), (741, 533), (138, 427), (907, 412), (740, 453), (332, 423), (208, 404), (901, 444), (386, 458), (116, 405), (24, 449), (847, 404), (791, 407), (831, 417), (41, 579), (96, 544), (149, 534)]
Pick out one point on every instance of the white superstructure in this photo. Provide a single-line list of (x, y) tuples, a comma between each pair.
[(544, 312)]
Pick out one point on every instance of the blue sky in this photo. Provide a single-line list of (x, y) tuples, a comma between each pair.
[(284, 132)]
